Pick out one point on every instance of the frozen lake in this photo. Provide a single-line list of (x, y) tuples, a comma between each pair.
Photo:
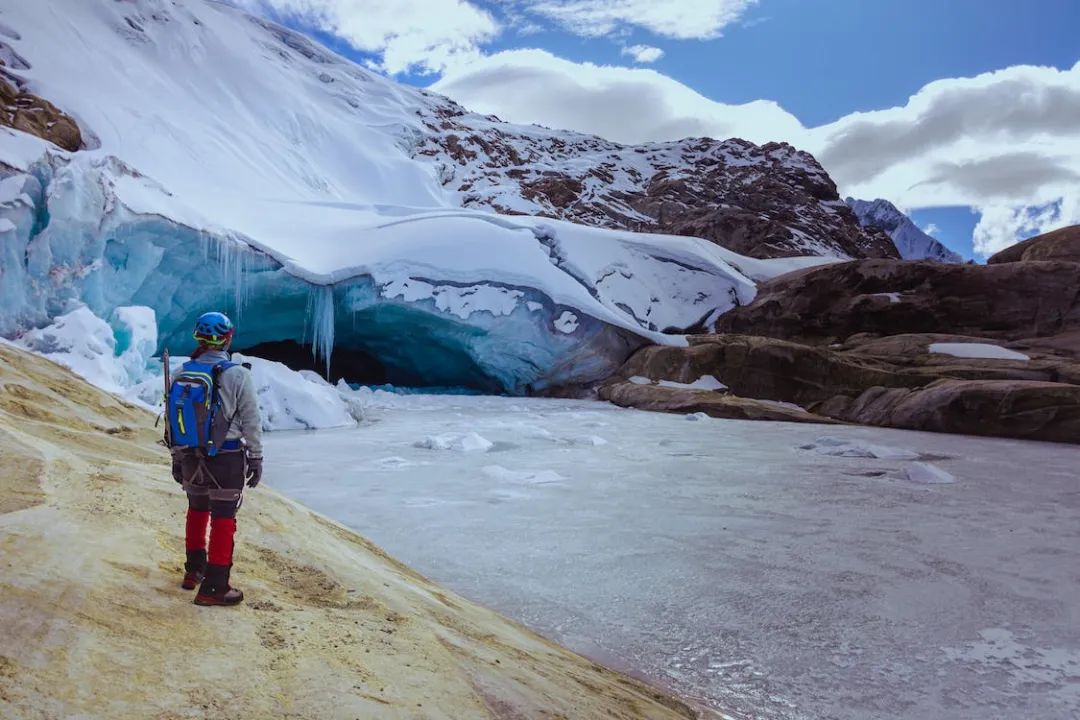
[(729, 560)]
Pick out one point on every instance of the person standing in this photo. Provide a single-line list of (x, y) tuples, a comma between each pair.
[(215, 433)]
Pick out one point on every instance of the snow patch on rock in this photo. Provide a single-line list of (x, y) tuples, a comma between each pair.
[(977, 351), (705, 382)]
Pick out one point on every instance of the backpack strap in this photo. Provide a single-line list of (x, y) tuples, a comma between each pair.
[(215, 373), (215, 401)]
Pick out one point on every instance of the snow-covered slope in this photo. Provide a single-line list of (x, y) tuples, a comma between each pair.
[(231, 163), (768, 201), (911, 242)]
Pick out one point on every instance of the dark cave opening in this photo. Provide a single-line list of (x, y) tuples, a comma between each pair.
[(354, 366), (401, 365)]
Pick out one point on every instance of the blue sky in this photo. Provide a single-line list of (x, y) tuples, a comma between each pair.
[(823, 59), (820, 61)]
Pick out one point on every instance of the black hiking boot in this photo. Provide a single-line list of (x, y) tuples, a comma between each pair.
[(194, 569), (215, 588)]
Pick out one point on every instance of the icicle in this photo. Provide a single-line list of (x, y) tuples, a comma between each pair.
[(206, 240), (232, 257), (321, 312), (236, 273), (245, 286)]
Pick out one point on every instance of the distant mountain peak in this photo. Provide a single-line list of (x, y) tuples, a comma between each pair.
[(911, 242)]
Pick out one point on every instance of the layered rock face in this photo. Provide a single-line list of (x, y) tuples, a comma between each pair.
[(1016, 408), (985, 350), (762, 201), (885, 297)]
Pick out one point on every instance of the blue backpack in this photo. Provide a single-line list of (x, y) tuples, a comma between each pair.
[(194, 408)]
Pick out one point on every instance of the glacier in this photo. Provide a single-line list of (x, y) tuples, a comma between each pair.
[(456, 298)]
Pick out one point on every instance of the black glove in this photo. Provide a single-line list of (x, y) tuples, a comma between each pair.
[(254, 471), (177, 471)]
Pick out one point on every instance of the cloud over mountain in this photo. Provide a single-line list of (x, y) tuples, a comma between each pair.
[(1002, 139)]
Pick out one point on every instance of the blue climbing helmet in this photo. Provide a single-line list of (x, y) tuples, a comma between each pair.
[(192, 404), (214, 329)]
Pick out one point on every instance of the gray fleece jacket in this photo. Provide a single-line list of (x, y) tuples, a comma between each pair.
[(239, 402)]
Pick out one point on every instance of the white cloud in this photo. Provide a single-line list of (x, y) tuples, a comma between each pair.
[(628, 105), (1011, 132), (643, 53), (420, 35), (1003, 142), (931, 229), (681, 19), (1001, 226)]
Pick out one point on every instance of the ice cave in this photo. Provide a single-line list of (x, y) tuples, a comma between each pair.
[(68, 239)]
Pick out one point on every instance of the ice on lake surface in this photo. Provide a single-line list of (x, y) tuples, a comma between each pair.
[(734, 561)]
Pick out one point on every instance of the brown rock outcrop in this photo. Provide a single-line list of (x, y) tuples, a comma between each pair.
[(762, 367), (892, 382), (1003, 408), (714, 404), (1063, 245), (909, 355), (886, 297), (29, 113)]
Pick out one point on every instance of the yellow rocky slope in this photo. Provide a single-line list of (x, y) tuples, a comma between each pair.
[(94, 624)]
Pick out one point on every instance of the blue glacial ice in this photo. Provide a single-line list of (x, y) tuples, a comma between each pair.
[(67, 237)]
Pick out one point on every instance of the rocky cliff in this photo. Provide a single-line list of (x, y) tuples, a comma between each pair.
[(988, 350), (762, 201), (31, 114)]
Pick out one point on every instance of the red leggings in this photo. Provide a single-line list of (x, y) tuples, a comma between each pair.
[(214, 496)]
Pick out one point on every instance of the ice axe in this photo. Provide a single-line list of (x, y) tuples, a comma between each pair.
[(167, 440)]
